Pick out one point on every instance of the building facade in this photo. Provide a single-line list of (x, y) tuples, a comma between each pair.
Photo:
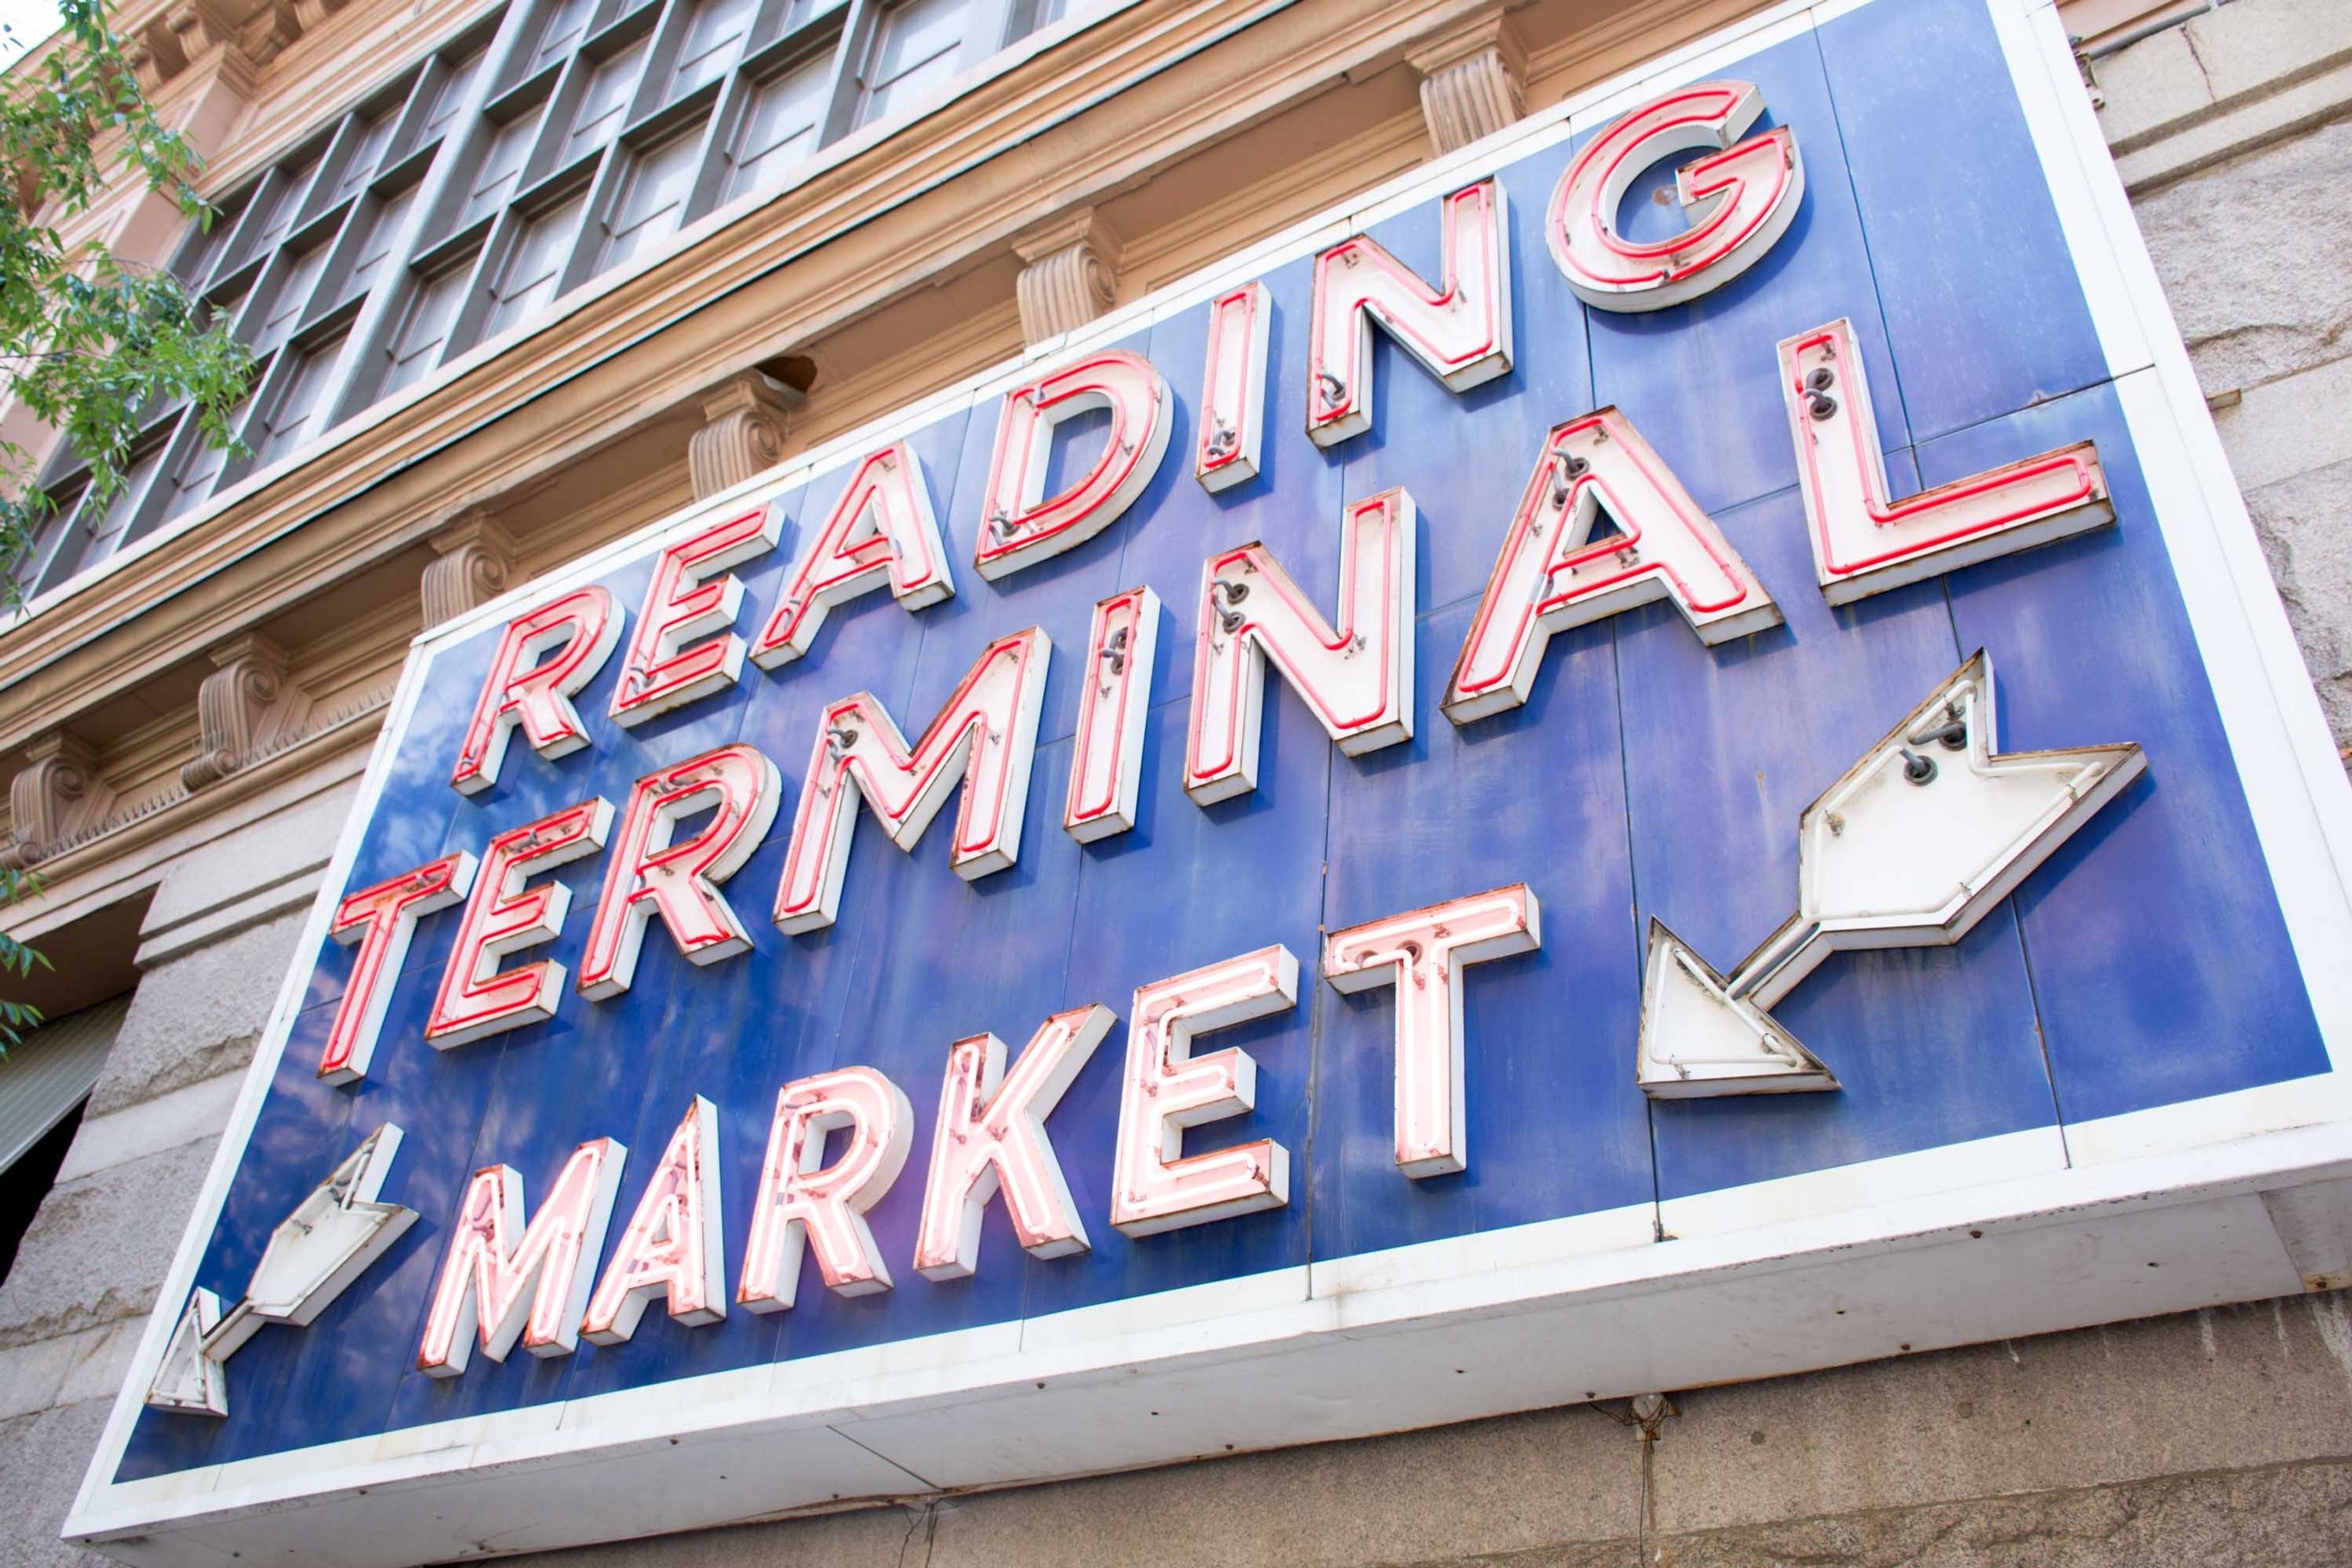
[(523, 280)]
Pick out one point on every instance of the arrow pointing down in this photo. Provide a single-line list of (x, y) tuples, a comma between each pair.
[(1913, 846)]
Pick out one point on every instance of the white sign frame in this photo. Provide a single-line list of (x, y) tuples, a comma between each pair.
[(2019, 1234)]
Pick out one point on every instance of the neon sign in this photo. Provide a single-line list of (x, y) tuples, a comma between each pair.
[(1245, 1031)]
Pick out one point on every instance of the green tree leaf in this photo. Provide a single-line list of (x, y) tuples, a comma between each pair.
[(86, 343)]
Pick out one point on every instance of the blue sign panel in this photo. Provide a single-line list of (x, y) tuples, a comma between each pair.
[(1653, 788)]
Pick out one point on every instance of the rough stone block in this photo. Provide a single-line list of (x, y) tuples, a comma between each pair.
[(2256, 258), (2305, 525), (2294, 1517), (2096, 1407), (2249, 45), (2154, 83), (65, 1371), (100, 1373), (97, 1252), (281, 849), (31, 1375), (44, 1455), (196, 1017), (2286, 428)]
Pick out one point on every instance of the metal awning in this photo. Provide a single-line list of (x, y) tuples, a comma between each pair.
[(51, 1072)]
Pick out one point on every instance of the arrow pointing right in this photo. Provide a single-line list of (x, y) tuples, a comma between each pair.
[(1915, 843)]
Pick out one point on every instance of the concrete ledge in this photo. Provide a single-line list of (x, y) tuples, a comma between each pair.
[(2289, 427), (182, 1116), (2234, 129), (264, 870), (67, 1370)]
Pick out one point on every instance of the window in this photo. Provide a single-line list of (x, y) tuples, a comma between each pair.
[(501, 161), (1033, 15), (491, 216), (367, 146), (916, 43), (283, 209), (536, 261), (712, 41), (190, 479), (94, 529), (602, 102), (298, 402), (780, 127), (382, 221), (450, 96), (567, 21), (425, 326), (651, 198), (292, 293)]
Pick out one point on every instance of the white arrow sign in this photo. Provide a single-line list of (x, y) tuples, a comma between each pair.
[(329, 1239), (1917, 842)]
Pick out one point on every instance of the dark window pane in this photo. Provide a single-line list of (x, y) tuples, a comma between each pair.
[(502, 161), (296, 415), (712, 41), (652, 196), (566, 22), (528, 281), (603, 101), (780, 126), (452, 95), (424, 327), (361, 166), (914, 50), (292, 299), (381, 222)]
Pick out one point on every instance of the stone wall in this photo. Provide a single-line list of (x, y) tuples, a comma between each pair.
[(2214, 1438), (2219, 1437)]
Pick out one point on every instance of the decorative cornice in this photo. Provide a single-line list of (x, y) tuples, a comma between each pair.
[(53, 795), (97, 865), (1070, 274), (744, 421), (245, 708), (474, 561)]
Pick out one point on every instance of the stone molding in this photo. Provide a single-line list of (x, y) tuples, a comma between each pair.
[(473, 562), (56, 794), (1069, 276), (245, 707), (744, 421), (1471, 81)]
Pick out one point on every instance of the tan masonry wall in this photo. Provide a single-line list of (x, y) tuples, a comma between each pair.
[(2219, 1437)]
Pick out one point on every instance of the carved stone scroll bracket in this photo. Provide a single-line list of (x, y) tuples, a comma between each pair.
[(1069, 276), (473, 562), (58, 793), (247, 708), (1470, 78), (744, 419)]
